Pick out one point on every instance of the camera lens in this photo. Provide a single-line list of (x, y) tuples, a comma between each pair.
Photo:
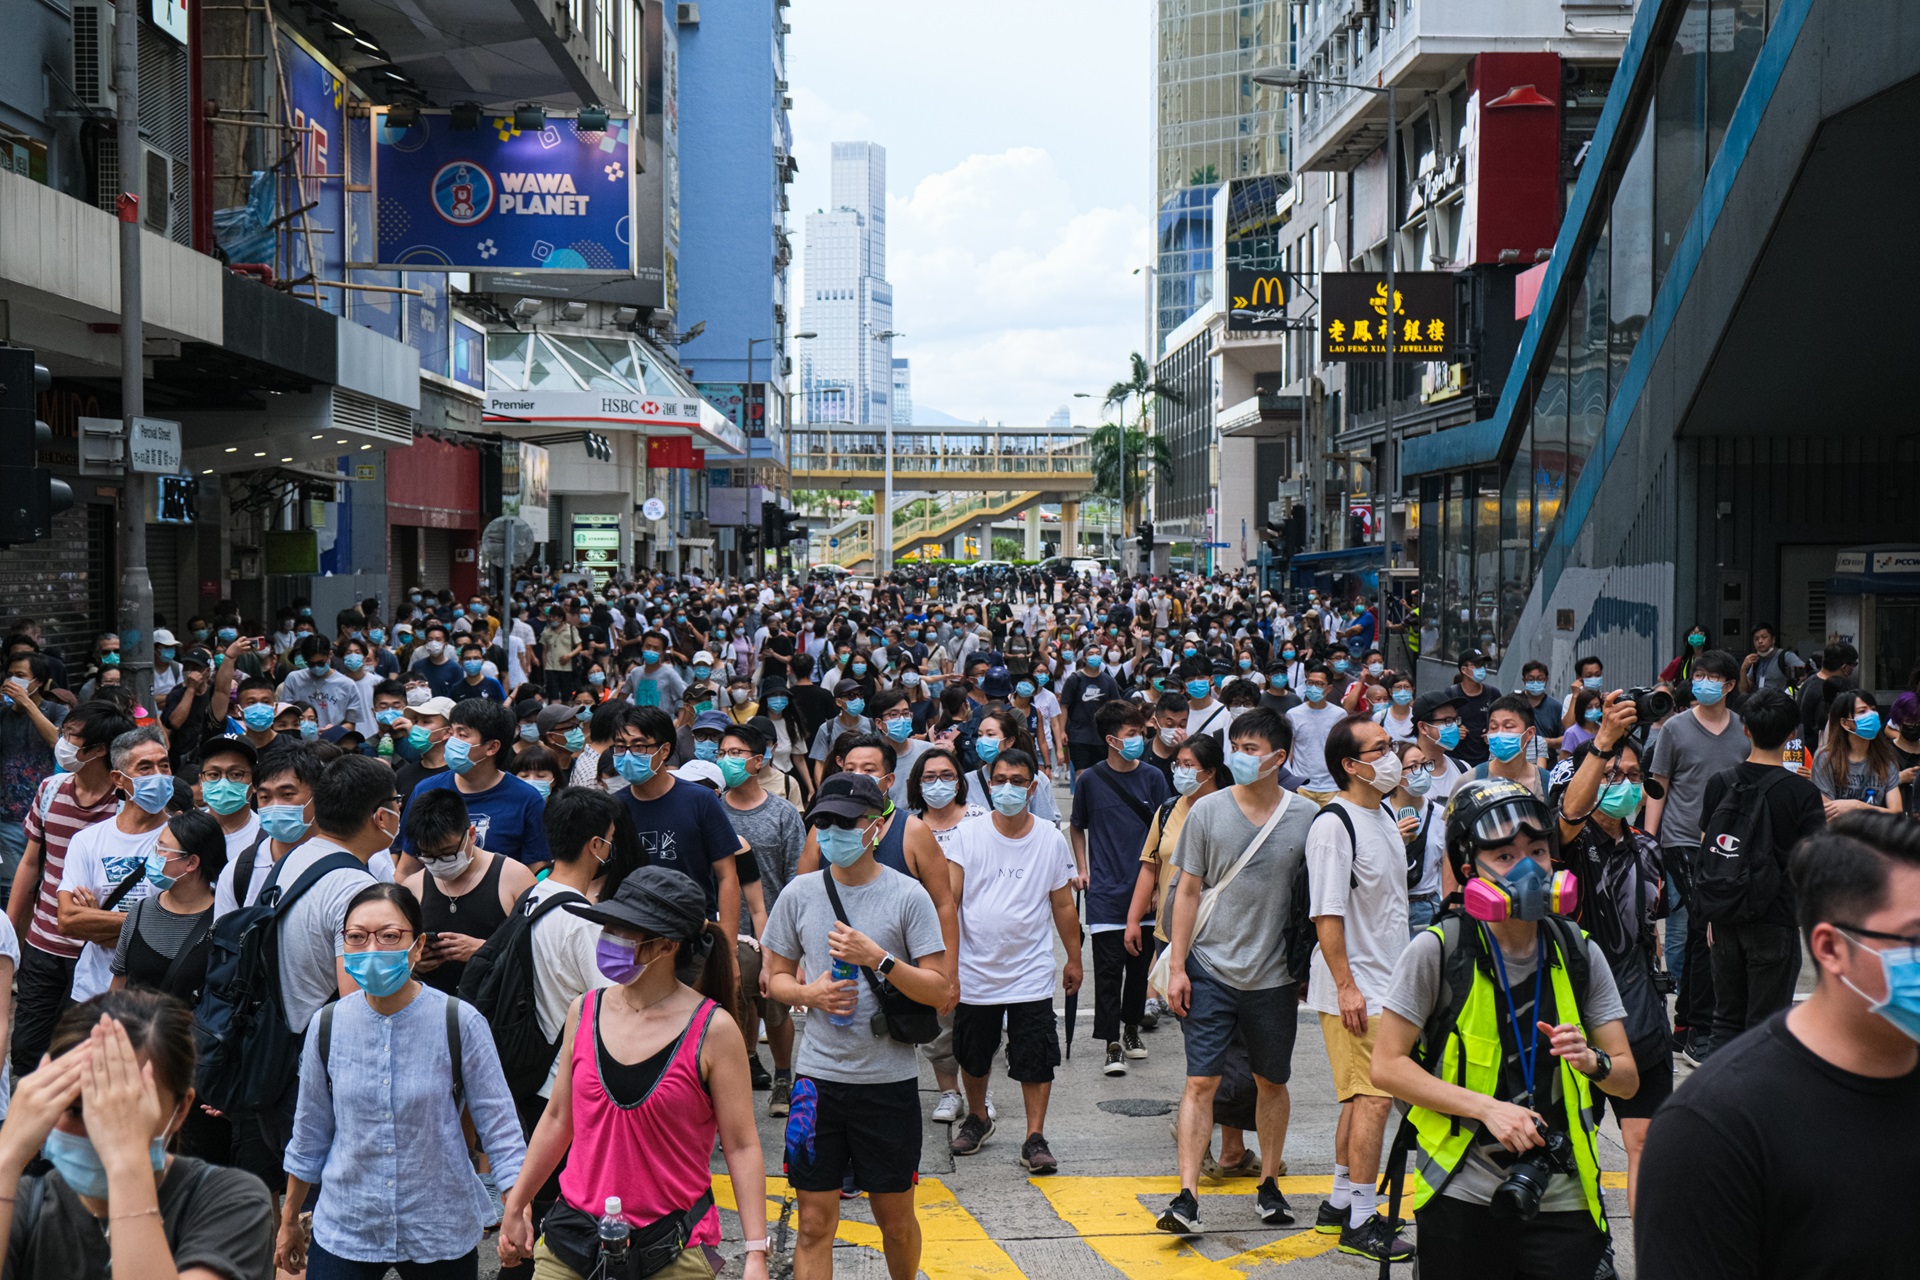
[(1519, 1196)]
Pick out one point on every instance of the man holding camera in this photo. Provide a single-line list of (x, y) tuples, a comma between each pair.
[(1504, 1177)]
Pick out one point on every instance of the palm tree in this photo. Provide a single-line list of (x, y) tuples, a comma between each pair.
[(1122, 460), (1141, 386)]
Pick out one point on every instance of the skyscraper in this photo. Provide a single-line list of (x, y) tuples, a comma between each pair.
[(902, 392), (846, 373)]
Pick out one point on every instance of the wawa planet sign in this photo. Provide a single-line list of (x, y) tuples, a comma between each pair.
[(497, 198)]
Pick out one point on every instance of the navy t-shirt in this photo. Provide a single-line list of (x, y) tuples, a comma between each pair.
[(508, 817), (1115, 833), (685, 829)]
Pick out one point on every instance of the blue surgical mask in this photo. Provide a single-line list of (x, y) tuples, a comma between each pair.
[(459, 755), (1189, 652), (596, 677), (1479, 675), (1185, 781), (419, 738), (377, 635), (576, 739), (1314, 693), (1094, 660), (378, 973), (1401, 697), (1594, 715), (840, 846), (777, 703), (1535, 688), (226, 635), (1010, 799), (1246, 664), (988, 749), (1708, 691), (1901, 965), (859, 668), (1417, 782), (386, 718), (473, 666), (166, 655), (1288, 654), (1245, 767), (899, 728), (1340, 666), (353, 662), (529, 732), (706, 751), (1505, 746), (258, 716), (157, 871), (1025, 688), (939, 793), (1133, 748), (702, 670), (635, 766), (79, 1164), (651, 658), (856, 705), (154, 792), (1867, 725), (1198, 689), (1449, 735), (224, 796), (286, 823), (1042, 678), (544, 787), (1620, 799), (1593, 682)]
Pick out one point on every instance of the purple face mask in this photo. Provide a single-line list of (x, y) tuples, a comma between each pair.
[(617, 960)]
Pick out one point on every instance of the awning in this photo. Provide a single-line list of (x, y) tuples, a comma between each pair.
[(614, 381)]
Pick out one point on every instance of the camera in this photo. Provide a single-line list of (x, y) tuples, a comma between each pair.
[(1650, 706), (1519, 1195), (1665, 983)]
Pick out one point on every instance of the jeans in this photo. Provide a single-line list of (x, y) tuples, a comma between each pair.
[(1755, 967), (1420, 913), (322, 1265), (1119, 984), (1676, 938), (43, 989)]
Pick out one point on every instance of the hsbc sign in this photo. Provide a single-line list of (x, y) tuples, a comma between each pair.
[(709, 427)]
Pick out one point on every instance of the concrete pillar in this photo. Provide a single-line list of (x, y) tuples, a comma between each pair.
[(1033, 532), (1070, 529)]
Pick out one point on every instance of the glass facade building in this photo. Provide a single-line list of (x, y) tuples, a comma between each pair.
[(846, 373)]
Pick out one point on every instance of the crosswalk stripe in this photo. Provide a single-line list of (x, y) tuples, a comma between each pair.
[(954, 1246)]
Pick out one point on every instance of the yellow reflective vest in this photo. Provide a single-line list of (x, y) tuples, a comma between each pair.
[(1469, 1055)]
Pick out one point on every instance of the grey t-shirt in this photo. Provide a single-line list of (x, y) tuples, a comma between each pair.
[(775, 833), (309, 931), (1417, 992), (1240, 945), (1688, 756), (218, 1218), (1862, 777), (907, 753), (894, 911)]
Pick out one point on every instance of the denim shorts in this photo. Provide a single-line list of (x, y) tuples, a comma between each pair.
[(1267, 1019)]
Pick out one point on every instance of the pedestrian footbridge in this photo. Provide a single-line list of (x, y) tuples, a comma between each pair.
[(936, 459)]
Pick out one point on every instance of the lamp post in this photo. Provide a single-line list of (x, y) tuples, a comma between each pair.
[(1288, 80), (883, 521)]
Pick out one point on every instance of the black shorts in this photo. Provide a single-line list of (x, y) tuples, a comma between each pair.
[(1656, 1086), (872, 1129), (1033, 1045)]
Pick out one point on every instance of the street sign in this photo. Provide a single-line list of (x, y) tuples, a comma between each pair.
[(155, 447), (833, 542), (1216, 545), (654, 509), (365, 471)]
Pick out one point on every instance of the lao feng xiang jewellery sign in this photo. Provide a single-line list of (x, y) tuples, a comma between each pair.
[(1355, 315), (498, 198)]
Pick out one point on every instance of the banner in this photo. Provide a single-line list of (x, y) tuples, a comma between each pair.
[(497, 198), (1354, 316)]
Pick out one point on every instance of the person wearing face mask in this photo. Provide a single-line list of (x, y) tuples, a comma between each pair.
[(1548, 726), (1227, 973), (1396, 714), (334, 698), (560, 731), (386, 1075), (1694, 747), (283, 782), (438, 660), (1838, 1075), (1205, 713), (222, 771), (851, 699), (1510, 733), (1309, 723), (1472, 695), (1680, 671), (1167, 729), (251, 701), (426, 749), (465, 891), (1531, 983), (741, 704), (1114, 803), (105, 868), (103, 1111), (29, 733), (1857, 766), (163, 941), (856, 1102), (507, 812), (1085, 690)]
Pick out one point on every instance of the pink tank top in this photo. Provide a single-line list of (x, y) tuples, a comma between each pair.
[(656, 1156)]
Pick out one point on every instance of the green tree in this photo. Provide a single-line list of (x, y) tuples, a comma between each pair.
[(1137, 444), (1008, 548)]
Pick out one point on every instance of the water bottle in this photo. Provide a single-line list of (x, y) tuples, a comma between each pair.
[(613, 1233), (842, 972)]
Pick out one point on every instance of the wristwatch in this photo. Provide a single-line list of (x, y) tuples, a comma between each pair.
[(755, 1246), (1603, 1066), (1611, 754), (886, 964)]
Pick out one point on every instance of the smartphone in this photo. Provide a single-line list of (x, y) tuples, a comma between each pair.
[(432, 940)]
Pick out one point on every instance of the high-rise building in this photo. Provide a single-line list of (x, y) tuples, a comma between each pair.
[(1060, 419), (846, 372), (902, 392), (1211, 124)]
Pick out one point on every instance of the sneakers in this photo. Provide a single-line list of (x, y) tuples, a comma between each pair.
[(1130, 1043), (993, 1112), (762, 1078), (1605, 1270), (1151, 1018), (969, 1136), (1376, 1239), (1036, 1157), (1274, 1209), (1182, 1216), (1698, 1048), (1116, 1059), (780, 1101), (1329, 1221), (948, 1109)]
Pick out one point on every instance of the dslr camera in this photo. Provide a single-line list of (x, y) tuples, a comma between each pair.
[(1650, 706), (1519, 1196)]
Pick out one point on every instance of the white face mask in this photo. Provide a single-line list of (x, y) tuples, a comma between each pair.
[(1386, 773), (416, 696), (1170, 736), (741, 697), (450, 868), (66, 754), (436, 647)]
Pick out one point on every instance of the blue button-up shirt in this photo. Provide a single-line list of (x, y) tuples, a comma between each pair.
[(383, 1139)]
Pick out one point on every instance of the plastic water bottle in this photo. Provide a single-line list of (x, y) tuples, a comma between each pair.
[(613, 1233), (842, 972)]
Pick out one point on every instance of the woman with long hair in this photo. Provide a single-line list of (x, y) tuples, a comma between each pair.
[(652, 1070), (116, 1085), (1857, 767), (1003, 730)]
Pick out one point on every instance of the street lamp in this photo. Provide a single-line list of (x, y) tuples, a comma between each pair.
[(1289, 80), (883, 522)]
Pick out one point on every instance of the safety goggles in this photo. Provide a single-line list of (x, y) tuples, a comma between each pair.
[(1504, 823)]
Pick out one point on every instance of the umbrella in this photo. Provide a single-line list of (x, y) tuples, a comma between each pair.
[(1073, 997)]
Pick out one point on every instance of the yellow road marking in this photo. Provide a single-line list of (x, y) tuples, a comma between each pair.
[(954, 1246)]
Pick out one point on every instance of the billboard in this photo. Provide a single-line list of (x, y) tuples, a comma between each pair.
[(524, 489), (1354, 316), (1258, 300), (496, 198)]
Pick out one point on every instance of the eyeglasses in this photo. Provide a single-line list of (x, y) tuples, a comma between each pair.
[(383, 939), (241, 775), (1911, 940), (644, 747), (1616, 778), (738, 753), (1375, 752)]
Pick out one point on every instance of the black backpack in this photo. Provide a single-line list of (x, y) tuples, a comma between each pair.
[(1299, 937), (499, 982), (248, 1056), (1736, 876)]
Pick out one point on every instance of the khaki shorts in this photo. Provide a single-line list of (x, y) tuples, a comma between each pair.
[(771, 1012), (1351, 1058), (696, 1262)]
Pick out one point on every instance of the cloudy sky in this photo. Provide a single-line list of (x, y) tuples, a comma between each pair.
[(1017, 136)]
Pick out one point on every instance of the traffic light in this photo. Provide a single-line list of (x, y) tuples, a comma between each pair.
[(1144, 532), (784, 531), (770, 525), (598, 447), (30, 495)]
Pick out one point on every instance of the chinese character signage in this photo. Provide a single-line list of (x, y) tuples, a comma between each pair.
[(1259, 300), (497, 198), (1354, 315)]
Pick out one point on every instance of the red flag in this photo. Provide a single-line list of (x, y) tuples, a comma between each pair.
[(669, 452)]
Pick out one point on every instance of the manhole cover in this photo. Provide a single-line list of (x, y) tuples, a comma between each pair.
[(1139, 1107)]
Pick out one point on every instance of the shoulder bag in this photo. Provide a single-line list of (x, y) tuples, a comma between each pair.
[(901, 1016), (1162, 972)]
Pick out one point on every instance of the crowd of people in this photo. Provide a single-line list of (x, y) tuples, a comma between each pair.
[(370, 936)]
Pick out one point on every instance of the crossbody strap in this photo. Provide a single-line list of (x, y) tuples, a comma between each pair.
[(1213, 891), (1104, 772), (840, 914)]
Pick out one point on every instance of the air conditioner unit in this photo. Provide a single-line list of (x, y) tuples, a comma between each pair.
[(689, 13), (157, 192), (93, 53)]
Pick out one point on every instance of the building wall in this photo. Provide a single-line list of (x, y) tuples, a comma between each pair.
[(1188, 428), (847, 372)]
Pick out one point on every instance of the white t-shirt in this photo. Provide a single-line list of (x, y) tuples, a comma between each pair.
[(1006, 915), (310, 931), (1213, 720), (1375, 909), (563, 966), (10, 948), (516, 660), (237, 845), (99, 858), (1397, 730), (1310, 729)]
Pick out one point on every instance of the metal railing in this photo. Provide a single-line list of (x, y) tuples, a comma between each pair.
[(1076, 462), (937, 521)]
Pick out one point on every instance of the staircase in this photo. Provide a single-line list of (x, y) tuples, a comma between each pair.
[(953, 513)]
